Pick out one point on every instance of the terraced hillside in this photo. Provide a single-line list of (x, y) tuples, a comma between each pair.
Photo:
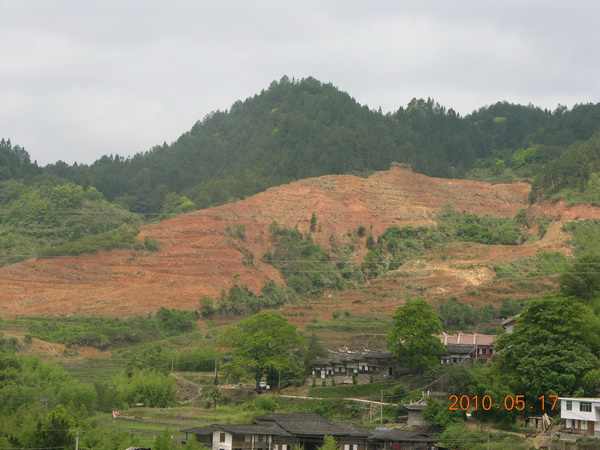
[(206, 252)]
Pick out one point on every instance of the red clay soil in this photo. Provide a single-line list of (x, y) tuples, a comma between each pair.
[(206, 252)]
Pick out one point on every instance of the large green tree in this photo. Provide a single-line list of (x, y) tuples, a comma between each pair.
[(261, 343), (414, 336), (553, 347)]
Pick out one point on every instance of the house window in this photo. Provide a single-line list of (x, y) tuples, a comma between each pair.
[(222, 437), (260, 438), (247, 438), (483, 351), (569, 405), (585, 407)]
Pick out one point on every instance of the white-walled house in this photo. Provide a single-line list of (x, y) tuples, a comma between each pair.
[(582, 415)]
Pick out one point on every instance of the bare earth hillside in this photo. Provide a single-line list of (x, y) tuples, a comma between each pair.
[(207, 251)]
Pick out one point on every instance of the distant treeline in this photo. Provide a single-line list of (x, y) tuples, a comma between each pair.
[(302, 128)]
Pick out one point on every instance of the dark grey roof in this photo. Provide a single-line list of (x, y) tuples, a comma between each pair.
[(263, 428), (201, 430), (321, 361), (340, 357), (267, 428), (395, 434), (309, 424), (418, 406)]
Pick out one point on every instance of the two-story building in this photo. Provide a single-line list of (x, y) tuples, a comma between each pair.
[(466, 348), (582, 415), (345, 364)]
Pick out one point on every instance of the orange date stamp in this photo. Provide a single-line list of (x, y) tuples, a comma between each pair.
[(508, 403)]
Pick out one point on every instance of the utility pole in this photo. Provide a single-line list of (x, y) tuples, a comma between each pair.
[(76, 438), (381, 409)]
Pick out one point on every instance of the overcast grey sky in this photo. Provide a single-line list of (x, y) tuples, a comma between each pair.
[(80, 79)]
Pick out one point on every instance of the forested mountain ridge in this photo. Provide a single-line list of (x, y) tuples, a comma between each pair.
[(304, 128)]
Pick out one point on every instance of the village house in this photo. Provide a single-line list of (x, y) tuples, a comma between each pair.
[(466, 349), (283, 431), (365, 365), (509, 324), (372, 365), (582, 415)]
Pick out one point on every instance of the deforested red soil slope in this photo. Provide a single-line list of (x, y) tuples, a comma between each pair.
[(207, 251)]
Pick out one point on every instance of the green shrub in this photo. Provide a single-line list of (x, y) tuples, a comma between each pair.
[(152, 388), (198, 360)]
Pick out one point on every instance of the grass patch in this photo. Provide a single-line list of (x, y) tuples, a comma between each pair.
[(371, 390), (585, 236), (544, 264), (93, 370)]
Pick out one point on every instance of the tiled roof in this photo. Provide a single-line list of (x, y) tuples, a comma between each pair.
[(510, 320), (417, 406), (467, 339), (201, 430), (309, 424), (263, 428), (340, 357)]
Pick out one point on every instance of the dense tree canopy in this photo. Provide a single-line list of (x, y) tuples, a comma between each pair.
[(555, 344), (414, 336), (261, 343)]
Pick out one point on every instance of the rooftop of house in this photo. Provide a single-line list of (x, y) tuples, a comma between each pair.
[(309, 424), (510, 321), (467, 339), (267, 428), (415, 406), (338, 357)]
